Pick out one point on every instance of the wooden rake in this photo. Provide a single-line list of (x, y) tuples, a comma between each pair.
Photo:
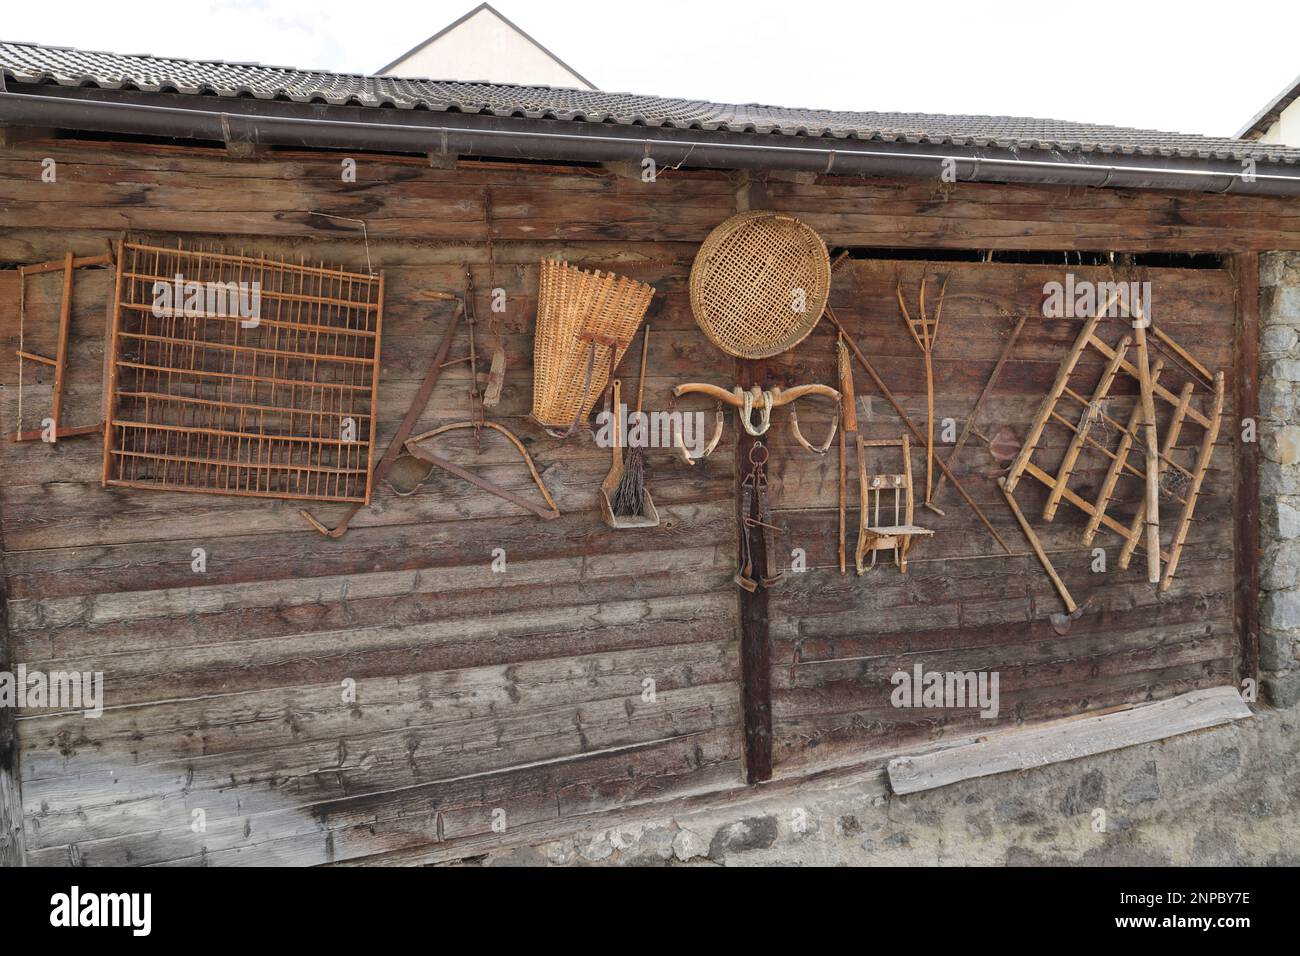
[(925, 333)]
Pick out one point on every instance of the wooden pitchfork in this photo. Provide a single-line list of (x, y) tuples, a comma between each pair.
[(925, 332)]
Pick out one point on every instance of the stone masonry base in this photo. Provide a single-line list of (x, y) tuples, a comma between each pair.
[(1222, 797)]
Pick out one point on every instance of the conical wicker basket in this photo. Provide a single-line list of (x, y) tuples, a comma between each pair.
[(760, 284), (585, 322)]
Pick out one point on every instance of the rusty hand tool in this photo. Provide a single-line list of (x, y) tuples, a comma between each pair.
[(404, 430)]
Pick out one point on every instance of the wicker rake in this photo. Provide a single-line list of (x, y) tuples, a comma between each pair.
[(760, 284), (585, 322)]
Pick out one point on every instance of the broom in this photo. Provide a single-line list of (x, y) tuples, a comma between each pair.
[(629, 496)]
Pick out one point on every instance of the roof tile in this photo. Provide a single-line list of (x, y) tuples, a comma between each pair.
[(36, 64)]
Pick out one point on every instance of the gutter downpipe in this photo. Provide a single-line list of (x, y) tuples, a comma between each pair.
[(667, 148)]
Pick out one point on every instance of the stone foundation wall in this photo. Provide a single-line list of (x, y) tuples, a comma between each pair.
[(1228, 796), (1279, 432)]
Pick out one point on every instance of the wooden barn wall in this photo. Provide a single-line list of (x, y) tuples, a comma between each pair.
[(965, 605), (522, 691)]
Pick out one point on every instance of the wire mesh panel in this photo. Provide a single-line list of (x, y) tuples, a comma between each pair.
[(237, 375)]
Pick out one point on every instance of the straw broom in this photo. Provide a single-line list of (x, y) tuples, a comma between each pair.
[(629, 496)]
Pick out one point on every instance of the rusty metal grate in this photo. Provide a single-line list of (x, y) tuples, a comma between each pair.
[(260, 379)]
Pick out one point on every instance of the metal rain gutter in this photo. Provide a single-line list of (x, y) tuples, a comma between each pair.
[(521, 139)]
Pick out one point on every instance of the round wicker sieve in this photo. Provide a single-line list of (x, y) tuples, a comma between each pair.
[(760, 284)]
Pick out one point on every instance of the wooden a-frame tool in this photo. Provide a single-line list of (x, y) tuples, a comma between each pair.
[(56, 430)]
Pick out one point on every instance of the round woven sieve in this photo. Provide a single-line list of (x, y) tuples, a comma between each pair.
[(760, 284)]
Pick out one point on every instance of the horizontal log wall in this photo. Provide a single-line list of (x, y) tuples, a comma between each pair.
[(965, 605), (522, 691)]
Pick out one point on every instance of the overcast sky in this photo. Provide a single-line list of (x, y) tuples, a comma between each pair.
[(1185, 66)]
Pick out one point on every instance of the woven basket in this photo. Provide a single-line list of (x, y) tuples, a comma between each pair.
[(747, 280), (576, 310)]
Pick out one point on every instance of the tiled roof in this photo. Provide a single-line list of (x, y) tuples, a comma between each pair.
[(1266, 117), (34, 64)]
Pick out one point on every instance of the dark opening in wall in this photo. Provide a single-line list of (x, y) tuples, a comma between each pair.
[(1048, 257)]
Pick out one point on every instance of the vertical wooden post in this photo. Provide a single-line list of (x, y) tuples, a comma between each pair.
[(61, 356), (11, 808), (755, 645), (110, 360), (1246, 550), (12, 851)]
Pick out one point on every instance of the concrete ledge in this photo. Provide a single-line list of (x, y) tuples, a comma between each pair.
[(1021, 750)]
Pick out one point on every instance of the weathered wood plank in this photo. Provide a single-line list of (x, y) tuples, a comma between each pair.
[(1070, 741), (143, 189), (448, 814), (12, 836), (262, 781), (247, 720), (821, 740)]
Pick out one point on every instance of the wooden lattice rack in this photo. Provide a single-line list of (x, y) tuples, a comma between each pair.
[(1140, 433), (279, 405)]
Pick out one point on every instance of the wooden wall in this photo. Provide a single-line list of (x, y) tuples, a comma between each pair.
[(965, 605), (522, 691)]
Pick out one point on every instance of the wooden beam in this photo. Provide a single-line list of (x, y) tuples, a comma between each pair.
[(755, 642), (11, 805), (1246, 550), (13, 135), (1069, 740), (59, 265), (61, 356)]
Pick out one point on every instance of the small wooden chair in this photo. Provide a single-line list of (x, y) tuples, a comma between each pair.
[(874, 536)]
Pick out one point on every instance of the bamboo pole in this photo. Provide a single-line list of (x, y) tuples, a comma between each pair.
[(1038, 548), (849, 412), (1063, 373), (1118, 462), (1171, 440), (1159, 391), (1081, 433), (1193, 493), (1152, 439)]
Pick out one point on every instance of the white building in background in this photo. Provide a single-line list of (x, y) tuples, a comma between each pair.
[(1279, 122), (484, 46)]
